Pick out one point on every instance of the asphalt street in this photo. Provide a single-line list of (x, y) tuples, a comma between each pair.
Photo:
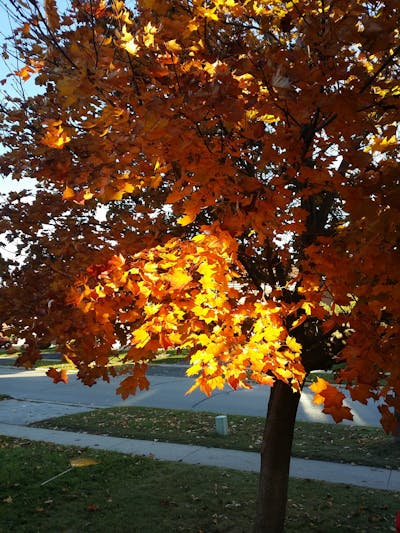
[(43, 398)]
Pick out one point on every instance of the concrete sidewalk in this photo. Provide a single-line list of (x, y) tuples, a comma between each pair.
[(363, 476)]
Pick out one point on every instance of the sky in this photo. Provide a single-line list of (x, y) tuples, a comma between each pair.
[(11, 87), (7, 66)]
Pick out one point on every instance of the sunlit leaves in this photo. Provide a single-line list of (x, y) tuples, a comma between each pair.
[(184, 289), (55, 136), (25, 72)]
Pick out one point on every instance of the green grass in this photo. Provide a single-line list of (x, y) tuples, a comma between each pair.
[(5, 397), (170, 358), (5, 354), (329, 442), (54, 363), (141, 495)]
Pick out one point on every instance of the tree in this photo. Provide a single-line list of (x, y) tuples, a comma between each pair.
[(248, 155)]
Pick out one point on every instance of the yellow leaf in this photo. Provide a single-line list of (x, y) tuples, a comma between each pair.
[(283, 373), (152, 308), (178, 278), (148, 36), (307, 307), (173, 46), (207, 13), (186, 219), (206, 270), (175, 338), (87, 195), (382, 144), (292, 344), (317, 387), (131, 47), (199, 238), (141, 337), (78, 462)]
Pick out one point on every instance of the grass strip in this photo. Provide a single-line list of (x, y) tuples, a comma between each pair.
[(326, 442), (114, 361), (5, 397), (136, 494)]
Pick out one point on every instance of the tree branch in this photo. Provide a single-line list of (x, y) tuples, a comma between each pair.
[(384, 65)]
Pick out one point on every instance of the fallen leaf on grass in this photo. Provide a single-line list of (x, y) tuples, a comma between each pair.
[(92, 507), (82, 461), (76, 462), (168, 503)]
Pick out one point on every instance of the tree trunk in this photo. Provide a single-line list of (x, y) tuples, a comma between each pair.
[(275, 459)]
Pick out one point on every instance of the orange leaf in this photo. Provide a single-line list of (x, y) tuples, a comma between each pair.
[(68, 193), (57, 375), (55, 138), (319, 385), (25, 72), (332, 398)]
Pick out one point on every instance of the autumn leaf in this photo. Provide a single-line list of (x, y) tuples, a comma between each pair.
[(141, 337), (131, 47), (55, 138), (50, 8), (78, 462), (179, 278), (25, 72), (57, 375), (130, 384), (332, 399), (173, 46), (68, 193), (92, 508), (186, 219)]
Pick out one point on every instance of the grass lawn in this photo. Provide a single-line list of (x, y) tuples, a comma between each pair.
[(330, 442), (140, 495)]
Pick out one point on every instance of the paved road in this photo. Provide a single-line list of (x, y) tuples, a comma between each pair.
[(43, 399)]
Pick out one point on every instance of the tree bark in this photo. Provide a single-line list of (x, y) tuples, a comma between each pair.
[(275, 459)]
